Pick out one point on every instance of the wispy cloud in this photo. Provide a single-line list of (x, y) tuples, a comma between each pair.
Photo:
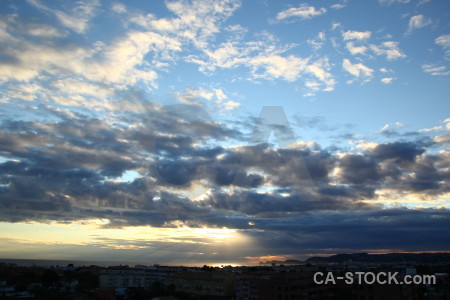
[(444, 42), (77, 19), (266, 59), (119, 8), (355, 50), (304, 11), (416, 22), (356, 35), (359, 71), (337, 6), (318, 42), (390, 49), (435, 70), (216, 95), (387, 80), (390, 2)]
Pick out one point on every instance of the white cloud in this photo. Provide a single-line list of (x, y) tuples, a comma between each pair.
[(238, 31), (196, 21), (73, 86), (265, 60), (276, 66), (26, 91), (358, 70), (216, 96), (435, 128), (335, 25), (355, 50), (390, 2), (46, 31), (337, 6), (119, 8), (121, 63), (447, 123), (192, 96), (444, 41), (318, 42), (304, 11), (390, 49), (435, 70), (226, 55), (422, 2), (387, 127), (31, 59), (199, 21), (356, 35), (230, 105), (387, 80), (442, 139), (418, 21), (320, 69), (77, 19)]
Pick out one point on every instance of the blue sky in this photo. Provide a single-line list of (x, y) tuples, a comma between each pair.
[(130, 129)]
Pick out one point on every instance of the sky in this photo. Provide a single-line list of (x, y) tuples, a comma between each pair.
[(223, 132)]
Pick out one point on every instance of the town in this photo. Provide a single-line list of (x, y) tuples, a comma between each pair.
[(270, 280)]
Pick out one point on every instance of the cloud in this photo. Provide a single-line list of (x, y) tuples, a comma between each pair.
[(390, 2), (357, 45), (337, 6), (199, 20), (217, 96), (230, 105), (318, 42), (355, 50), (390, 49), (191, 96), (276, 66), (361, 230), (71, 168), (417, 21), (91, 125), (135, 57), (422, 2), (435, 70), (121, 63), (266, 59), (77, 19), (390, 129), (358, 70), (304, 11), (444, 42), (387, 80), (119, 8), (356, 35)]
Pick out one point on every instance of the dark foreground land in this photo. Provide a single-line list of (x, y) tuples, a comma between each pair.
[(279, 280)]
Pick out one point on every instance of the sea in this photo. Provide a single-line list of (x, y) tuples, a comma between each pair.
[(64, 263)]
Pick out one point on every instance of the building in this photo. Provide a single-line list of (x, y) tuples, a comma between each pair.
[(210, 284)]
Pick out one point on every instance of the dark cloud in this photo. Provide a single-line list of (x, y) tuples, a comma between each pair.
[(359, 169), (401, 228), (67, 169), (400, 151)]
